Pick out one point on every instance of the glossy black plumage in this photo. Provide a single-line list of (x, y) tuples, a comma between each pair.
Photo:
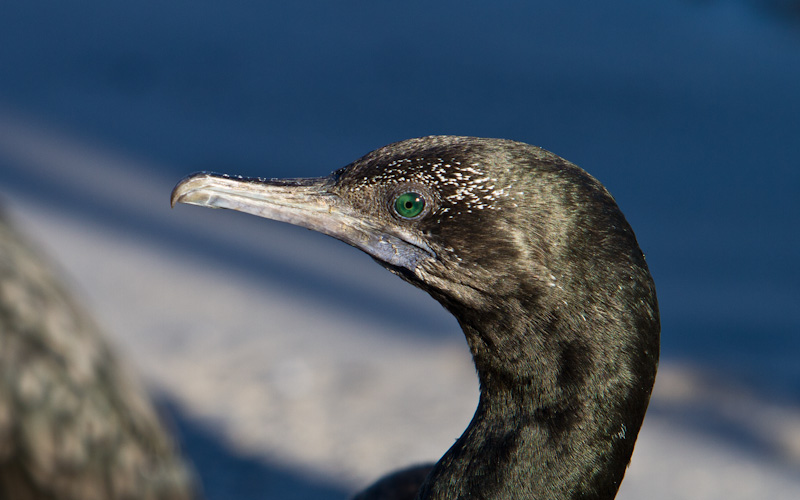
[(542, 271)]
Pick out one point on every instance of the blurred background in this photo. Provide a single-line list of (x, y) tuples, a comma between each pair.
[(289, 365)]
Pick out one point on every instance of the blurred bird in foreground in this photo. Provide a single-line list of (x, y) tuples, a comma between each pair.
[(74, 425)]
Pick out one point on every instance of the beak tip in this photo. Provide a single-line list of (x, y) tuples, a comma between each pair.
[(176, 195), (184, 187)]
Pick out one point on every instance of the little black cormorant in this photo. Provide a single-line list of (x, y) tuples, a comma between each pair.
[(536, 261)]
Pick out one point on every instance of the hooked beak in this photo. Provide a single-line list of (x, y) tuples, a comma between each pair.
[(308, 203)]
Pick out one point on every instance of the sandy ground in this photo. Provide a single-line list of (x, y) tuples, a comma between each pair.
[(294, 367)]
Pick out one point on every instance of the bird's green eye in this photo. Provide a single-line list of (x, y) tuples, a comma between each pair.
[(409, 205)]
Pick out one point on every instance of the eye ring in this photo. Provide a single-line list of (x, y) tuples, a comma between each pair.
[(409, 205)]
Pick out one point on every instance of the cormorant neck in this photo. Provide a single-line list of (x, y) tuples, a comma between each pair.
[(558, 415)]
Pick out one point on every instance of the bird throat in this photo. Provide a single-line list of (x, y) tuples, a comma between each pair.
[(549, 412)]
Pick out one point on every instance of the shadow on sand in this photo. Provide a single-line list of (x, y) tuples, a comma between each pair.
[(225, 473)]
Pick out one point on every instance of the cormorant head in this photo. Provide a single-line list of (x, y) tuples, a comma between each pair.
[(493, 229)]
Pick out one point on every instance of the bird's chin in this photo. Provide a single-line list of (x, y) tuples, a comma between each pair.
[(403, 272), (393, 251)]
